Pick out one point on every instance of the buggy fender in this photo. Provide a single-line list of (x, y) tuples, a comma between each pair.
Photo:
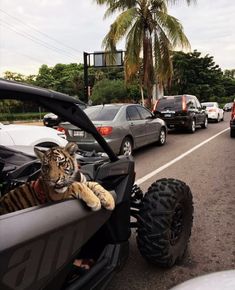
[(37, 243)]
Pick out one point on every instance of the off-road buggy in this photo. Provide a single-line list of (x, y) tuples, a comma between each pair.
[(38, 245)]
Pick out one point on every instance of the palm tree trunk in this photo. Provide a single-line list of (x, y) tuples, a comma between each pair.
[(148, 67)]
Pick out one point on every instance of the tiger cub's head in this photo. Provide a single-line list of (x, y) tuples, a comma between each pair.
[(59, 166)]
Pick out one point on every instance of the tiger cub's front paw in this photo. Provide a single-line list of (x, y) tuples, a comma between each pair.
[(96, 205), (108, 202)]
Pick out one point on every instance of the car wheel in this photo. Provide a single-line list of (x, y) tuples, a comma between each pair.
[(232, 133), (192, 127), (217, 120), (126, 147), (222, 118), (205, 124), (164, 222), (162, 137)]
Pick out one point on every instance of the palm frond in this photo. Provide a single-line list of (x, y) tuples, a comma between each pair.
[(116, 5), (119, 29), (173, 29), (133, 49), (162, 54)]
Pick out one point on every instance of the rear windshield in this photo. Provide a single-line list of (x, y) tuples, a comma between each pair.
[(208, 104), (169, 104), (101, 113)]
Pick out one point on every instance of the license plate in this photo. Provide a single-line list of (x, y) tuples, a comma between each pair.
[(167, 115), (78, 133)]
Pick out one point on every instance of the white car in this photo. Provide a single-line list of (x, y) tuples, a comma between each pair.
[(223, 280), (213, 111), (28, 135)]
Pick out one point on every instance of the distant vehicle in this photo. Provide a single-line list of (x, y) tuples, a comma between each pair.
[(228, 107), (52, 120), (181, 111), (213, 110), (124, 126), (28, 135), (232, 122)]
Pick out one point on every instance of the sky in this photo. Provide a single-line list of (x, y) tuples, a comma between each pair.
[(36, 32)]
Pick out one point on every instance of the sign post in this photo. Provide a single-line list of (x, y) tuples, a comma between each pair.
[(100, 60)]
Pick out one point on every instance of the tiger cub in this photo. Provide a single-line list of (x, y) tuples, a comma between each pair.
[(57, 181)]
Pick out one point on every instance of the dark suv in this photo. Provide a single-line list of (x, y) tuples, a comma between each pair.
[(232, 121), (182, 111)]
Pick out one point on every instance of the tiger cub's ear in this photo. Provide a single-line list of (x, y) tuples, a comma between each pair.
[(38, 153), (71, 148)]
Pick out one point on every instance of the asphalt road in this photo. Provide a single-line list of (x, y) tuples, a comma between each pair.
[(209, 170)]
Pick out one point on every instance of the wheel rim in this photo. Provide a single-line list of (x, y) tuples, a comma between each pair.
[(206, 123), (176, 225), (127, 148), (162, 137), (193, 126)]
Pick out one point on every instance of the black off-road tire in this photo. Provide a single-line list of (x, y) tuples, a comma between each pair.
[(164, 222)]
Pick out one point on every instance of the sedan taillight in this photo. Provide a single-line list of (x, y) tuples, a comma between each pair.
[(105, 131), (61, 129), (184, 104), (212, 110)]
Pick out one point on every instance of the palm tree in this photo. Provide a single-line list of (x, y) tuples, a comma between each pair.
[(151, 33)]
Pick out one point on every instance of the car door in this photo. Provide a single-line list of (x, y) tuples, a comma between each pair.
[(200, 113), (152, 128), (136, 125)]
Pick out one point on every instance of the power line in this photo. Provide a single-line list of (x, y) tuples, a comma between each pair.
[(36, 40), (38, 31)]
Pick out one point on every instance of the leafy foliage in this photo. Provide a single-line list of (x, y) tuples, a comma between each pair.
[(109, 91), (200, 76), (149, 30)]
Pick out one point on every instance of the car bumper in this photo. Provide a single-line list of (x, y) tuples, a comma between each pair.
[(212, 116), (93, 145), (178, 122)]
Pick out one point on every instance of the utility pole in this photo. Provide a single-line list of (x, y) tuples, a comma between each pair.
[(85, 56)]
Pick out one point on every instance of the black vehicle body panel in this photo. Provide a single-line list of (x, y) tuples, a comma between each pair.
[(43, 247), (38, 245)]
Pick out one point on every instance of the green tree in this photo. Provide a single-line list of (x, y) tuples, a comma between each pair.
[(109, 91), (44, 78), (229, 73), (197, 75), (149, 30), (64, 78)]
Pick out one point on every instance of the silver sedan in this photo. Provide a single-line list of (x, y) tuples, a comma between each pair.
[(125, 127)]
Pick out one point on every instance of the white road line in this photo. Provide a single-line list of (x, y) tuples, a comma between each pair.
[(151, 174)]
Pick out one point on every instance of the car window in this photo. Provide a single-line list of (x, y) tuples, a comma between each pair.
[(169, 104), (198, 105), (190, 103), (102, 113), (145, 114), (208, 104), (132, 113)]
